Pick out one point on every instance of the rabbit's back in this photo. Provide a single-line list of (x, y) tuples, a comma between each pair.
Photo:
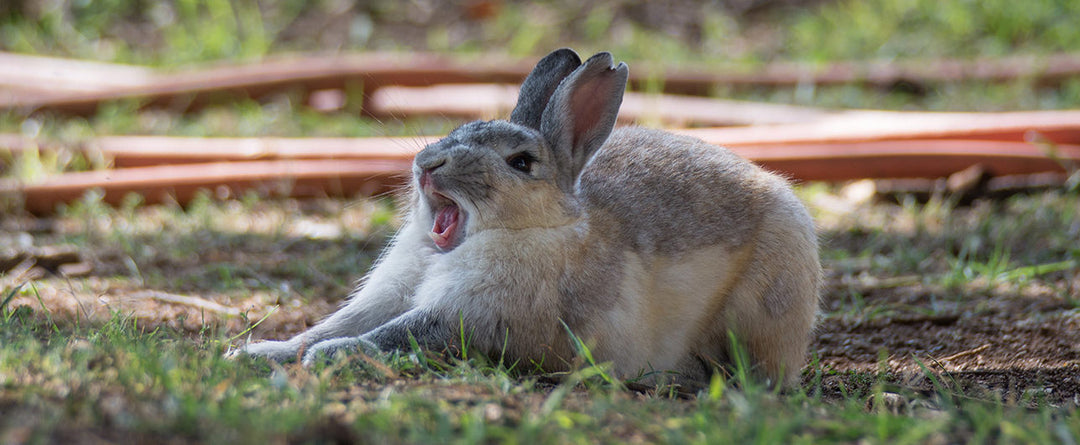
[(672, 193), (707, 245)]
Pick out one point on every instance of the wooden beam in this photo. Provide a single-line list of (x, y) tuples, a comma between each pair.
[(297, 178), (29, 76), (1058, 126), (141, 151), (917, 158), (488, 101), (190, 88), (357, 173)]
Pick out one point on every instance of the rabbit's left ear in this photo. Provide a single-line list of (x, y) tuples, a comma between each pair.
[(581, 114), (541, 84)]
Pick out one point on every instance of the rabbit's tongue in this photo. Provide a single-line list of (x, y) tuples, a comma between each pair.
[(446, 224)]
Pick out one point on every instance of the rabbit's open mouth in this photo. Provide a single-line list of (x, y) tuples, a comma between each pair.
[(445, 231)]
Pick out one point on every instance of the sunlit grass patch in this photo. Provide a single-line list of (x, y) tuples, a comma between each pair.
[(153, 385)]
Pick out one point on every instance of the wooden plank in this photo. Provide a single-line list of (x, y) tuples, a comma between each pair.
[(349, 176), (134, 151), (140, 151), (191, 88), (1059, 126), (31, 75), (297, 178), (918, 158), (488, 101)]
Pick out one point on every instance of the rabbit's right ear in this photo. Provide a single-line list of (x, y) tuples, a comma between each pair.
[(537, 89), (581, 114)]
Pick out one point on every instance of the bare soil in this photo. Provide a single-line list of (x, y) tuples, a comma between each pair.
[(1016, 347)]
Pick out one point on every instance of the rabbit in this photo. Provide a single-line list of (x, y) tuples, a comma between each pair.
[(653, 250)]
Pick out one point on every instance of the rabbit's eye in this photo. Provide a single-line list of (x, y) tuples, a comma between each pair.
[(522, 162)]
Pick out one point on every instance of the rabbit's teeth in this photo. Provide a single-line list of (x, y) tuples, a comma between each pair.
[(440, 241), (445, 228)]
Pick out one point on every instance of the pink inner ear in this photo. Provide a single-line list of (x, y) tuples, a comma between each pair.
[(588, 103)]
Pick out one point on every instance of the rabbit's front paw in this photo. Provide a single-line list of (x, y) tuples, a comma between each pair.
[(327, 349), (278, 351)]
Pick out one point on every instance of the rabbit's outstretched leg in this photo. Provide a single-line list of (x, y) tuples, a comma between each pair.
[(426, 328), (385, 294)]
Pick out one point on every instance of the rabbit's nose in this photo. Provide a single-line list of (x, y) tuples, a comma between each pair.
[(434, 166), (429, 162)]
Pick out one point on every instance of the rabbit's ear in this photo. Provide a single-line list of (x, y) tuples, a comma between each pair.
[(541, 84), (581, 114)]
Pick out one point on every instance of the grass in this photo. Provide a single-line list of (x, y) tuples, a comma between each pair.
[(912, 28), (992, 242), (1024, 245), (182, 32), (120, 382), (235, 245)]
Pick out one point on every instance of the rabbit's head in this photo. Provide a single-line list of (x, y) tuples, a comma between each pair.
[(520, 174)]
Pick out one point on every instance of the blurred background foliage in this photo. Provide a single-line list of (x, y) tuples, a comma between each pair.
[(179, 32)]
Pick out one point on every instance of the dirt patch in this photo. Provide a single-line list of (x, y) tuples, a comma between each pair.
[(1011, 346)]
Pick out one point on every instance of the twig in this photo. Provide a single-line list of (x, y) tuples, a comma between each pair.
[(965, 353), (196, 302)]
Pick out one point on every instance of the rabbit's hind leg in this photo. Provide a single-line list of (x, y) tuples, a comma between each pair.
[(772, 314)]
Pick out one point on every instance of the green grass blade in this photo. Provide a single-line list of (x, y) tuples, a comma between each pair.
[(10, 296), (273, 309)]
